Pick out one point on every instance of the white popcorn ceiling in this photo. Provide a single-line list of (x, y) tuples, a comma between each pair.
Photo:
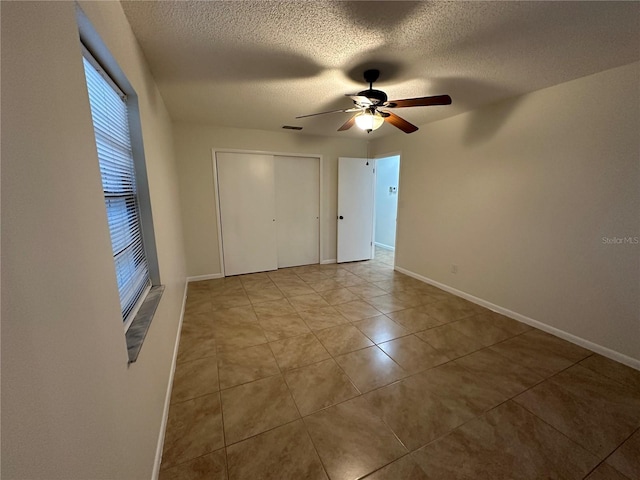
[(259, 64)]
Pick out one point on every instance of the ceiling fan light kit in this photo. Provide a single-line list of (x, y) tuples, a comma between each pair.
[(368, 103), (369, 120)]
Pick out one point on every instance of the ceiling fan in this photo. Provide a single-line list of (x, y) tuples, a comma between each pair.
[(369, 104)]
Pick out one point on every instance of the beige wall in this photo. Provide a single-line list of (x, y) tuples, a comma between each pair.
[(71, 408), (519, 195), (194, 143)]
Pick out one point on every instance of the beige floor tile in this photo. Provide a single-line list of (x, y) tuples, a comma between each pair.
[(343, 339), (324, 317), (274, 308), (298, 351), (212, 466), (312, 276), (405, 468), (612, 369), (290, 291), (251, 278), (393, 286), (380, 329), (277, 328), (265, 295), (351, 440), (435, 388), (240, 335), (203, 319), (366, 290), (198, 302), (506, 377), (283, 453), (308, 302), (370, 368), (194, 379), (414, 319), (255, 407), (200, 286), (450, 341), (389, 303), (512, 327), (350, 280), (413, 298), (194, 428), (246, 365), (225, 286), (417, 414), (594, 411), (319, 385), (506, 443), (605, 472), (413, 354), (455, 383), (230, 300), (196, 342), (257, 284), (449, 310), (626, 459), (324, 285), (244, 314), (338, 296), (541, 352), (482, 328)]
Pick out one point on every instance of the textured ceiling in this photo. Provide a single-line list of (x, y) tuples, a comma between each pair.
[(259, 64)]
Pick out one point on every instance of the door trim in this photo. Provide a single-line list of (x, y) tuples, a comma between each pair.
[(216, 194), (397, 153)]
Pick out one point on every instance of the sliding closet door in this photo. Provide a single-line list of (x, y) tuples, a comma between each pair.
[(247, 212), (297, 181)]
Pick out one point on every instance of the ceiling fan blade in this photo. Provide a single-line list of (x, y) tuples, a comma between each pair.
[(348, 124), (400, 123), (360, 100), (420, 102), (344, 110)]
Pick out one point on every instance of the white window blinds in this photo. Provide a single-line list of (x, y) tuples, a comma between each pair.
[(111, 128)]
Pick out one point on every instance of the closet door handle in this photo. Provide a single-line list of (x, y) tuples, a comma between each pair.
[(341, 217)]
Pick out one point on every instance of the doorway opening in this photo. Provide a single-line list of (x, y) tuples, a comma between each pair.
[(386, 207)]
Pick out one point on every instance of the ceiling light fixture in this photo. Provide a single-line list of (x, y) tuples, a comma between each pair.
[(369, 120)]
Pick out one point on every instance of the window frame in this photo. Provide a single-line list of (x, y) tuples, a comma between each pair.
[(140, 317)]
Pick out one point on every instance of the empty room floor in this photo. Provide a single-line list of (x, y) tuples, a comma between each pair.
[(356, 371)]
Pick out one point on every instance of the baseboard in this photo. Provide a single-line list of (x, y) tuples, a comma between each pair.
[(327, 262), (198, 278), (167, 398), (594, 347), (385, 247)]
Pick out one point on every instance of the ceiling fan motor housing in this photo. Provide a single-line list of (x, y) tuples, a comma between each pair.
[(376, 96)]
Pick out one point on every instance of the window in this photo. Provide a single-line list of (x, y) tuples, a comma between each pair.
[(110, 114)]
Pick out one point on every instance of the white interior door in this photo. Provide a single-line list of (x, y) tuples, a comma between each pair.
[(297, 191), (247, 212), (355, 209)]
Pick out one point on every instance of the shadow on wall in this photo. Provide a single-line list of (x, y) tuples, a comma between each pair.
[(482, 127), (465, 92)]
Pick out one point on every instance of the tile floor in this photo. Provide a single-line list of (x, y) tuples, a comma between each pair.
[(356, 371)]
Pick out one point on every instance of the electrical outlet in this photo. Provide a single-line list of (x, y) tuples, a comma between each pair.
[(454, 268)]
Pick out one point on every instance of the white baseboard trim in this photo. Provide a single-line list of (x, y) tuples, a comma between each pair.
[(167, 398), (327, 262), (385, 247), (198, 278), (594, 347)]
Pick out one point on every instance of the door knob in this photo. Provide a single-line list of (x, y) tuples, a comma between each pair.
[(341, 217)]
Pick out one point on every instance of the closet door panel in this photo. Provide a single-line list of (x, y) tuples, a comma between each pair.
[(297, 187), (246, 191)]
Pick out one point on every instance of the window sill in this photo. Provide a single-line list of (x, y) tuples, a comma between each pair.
[(137, 332)]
